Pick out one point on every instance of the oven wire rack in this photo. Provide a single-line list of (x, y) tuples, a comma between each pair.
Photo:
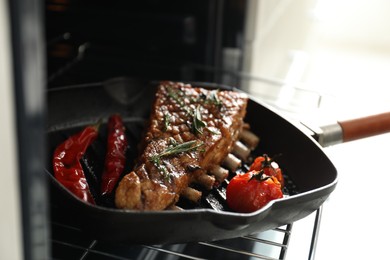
[(69, 242)]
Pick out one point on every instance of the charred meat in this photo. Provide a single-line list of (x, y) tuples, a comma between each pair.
[(190, 134)]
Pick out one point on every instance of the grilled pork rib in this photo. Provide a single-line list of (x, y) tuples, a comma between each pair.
[(191, 131)]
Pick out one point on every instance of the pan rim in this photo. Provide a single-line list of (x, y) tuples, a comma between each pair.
[(205, 213)]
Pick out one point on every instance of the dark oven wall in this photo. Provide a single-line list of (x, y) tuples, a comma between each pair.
[(91, 41)]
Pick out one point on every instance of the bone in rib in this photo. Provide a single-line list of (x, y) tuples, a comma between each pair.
[(191, 131)]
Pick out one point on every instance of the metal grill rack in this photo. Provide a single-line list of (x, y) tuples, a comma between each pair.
[(68, 241)]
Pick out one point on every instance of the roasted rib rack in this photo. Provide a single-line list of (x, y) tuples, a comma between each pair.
[(191, 133)]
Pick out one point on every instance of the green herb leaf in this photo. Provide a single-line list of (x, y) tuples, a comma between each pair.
[(159, 165), (172, 141), (173, 149), (197, 122), (212, 131), (167, 122), (174, 95), (176, 149), (214, 97), (178, 96), (181, 148)]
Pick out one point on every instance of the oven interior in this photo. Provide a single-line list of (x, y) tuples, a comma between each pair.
[(91, 42)]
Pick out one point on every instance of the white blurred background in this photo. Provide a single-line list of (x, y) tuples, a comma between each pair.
[(333, 55), (328, 60)]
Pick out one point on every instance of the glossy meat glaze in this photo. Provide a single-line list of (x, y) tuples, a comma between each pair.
[(190, 132)]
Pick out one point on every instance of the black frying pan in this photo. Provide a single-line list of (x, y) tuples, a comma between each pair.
[(311, 175)]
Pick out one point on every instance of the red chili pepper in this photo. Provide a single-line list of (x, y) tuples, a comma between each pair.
[(116, 154), (66, 162)]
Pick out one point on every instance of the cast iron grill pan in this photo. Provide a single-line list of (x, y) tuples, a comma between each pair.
[(310, 176)]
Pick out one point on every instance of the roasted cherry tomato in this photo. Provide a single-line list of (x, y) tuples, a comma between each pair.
[(269, 167), (249, 192)]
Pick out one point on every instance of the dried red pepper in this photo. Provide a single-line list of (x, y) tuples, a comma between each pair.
[(116, 154), (66, 162)]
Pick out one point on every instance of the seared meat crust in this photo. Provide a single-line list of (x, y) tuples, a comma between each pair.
[(207, 122)]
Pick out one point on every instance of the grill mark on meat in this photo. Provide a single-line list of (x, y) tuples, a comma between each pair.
[(182, 113)]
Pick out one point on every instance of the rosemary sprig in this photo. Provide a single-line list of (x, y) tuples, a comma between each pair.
[(174, 95), (161, 168), (173, 149), (167, 122), (214, 98), (197, 122), (176, 149), (212, 131), (178, 98)]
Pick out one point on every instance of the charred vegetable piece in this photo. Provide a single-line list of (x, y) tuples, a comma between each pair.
[(269, 167), (251, 191), (66, 162), (116, 154)]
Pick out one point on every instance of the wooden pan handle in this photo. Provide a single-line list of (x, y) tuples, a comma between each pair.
[(366, 126)]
